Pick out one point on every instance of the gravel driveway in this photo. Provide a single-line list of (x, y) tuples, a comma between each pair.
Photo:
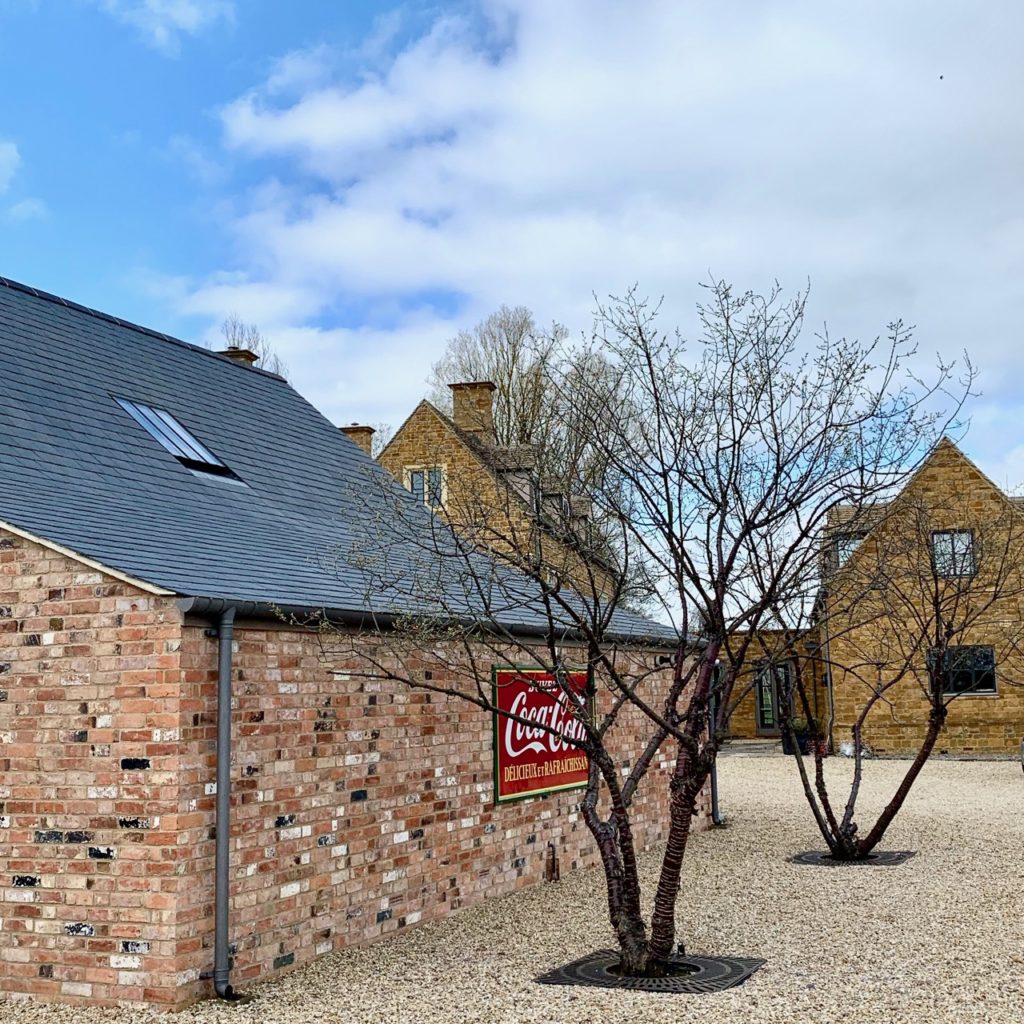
[(940, 938)]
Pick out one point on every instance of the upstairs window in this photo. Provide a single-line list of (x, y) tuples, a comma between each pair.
[(953, 553), (844, 545), (187, 449), (426, 484), (966, 669)]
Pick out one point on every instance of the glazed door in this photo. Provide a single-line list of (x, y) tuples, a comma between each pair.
[(770, 685)]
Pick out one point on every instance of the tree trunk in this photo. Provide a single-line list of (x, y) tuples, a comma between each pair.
[(634, 949), (614, 840), (685, 786), (691, 772), (872, 839)]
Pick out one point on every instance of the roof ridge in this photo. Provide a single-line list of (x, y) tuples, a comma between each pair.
[(37, 293)]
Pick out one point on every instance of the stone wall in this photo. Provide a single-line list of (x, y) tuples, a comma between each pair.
[(867, 647)]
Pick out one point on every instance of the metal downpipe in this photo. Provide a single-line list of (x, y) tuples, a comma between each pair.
[(221, 946), (716, 817)]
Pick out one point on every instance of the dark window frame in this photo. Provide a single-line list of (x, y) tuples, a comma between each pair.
[(781, 675), (175, 438), (950, 571), (978, 668), (839, 539)]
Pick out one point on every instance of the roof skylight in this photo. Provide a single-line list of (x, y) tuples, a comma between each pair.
[(184, 446)]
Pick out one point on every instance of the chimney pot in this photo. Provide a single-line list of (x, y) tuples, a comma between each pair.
[(473, 408), (243, 356), (363, 436)]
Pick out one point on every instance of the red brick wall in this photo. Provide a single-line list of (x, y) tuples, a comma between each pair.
[(361, 807), (89, 681)]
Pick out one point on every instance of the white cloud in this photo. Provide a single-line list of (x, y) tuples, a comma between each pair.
[(28, 209), (539, 152), (10, 161), (299, 70), (197, 162), (162, 23)]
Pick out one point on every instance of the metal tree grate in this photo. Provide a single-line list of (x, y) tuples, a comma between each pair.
[(696, 973), (882, 859)]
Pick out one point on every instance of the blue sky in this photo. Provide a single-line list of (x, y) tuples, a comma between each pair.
[(363, 179), (117, 124)]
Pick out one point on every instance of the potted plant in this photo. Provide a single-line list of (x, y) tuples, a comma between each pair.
[(801, 731)]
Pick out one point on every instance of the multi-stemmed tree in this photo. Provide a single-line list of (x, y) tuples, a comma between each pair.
[(914, 619), (720, 463)]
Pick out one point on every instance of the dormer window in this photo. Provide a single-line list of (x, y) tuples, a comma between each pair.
[(427, 484), (175, 438), (844, 545)]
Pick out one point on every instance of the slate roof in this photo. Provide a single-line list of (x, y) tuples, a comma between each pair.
[(315, 513)]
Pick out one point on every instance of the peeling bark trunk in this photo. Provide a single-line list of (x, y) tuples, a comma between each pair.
[(663, 921), (614, 839)]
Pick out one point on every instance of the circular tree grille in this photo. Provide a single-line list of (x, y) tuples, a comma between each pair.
[(880, 859), (696, 973)]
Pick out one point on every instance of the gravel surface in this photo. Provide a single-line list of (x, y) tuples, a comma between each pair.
[(939, 938)]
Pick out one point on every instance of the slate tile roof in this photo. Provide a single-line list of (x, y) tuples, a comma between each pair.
[(314, 516)]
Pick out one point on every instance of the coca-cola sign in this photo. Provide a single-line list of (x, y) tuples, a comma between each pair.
[(536, 751)]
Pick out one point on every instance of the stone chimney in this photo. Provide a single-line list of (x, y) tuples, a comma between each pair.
[(473, 408), (242, 356), (363, 436)]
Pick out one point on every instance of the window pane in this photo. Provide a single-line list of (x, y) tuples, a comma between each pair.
[(766, 699), (845, 545), (953, 553), (435, 487), (416, 483), (187, 449), (968, 669), (145, 418), (200, 452)]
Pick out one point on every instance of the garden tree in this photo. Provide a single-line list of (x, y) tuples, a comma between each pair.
[(382, 434), (508, 349), (239, 334), (918, 615), (531, 408), (721, 464)]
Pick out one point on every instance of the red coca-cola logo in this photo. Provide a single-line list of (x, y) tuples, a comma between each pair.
[(537, 750)]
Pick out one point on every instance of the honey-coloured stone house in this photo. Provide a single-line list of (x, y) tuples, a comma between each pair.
[(494, 494), (951, 544), (165, 514)]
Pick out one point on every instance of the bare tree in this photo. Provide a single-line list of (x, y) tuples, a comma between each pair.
[(533, 408), (383, 432), (239, 334), (509, 350), (513, 606), (916, 618), (721, 465)]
